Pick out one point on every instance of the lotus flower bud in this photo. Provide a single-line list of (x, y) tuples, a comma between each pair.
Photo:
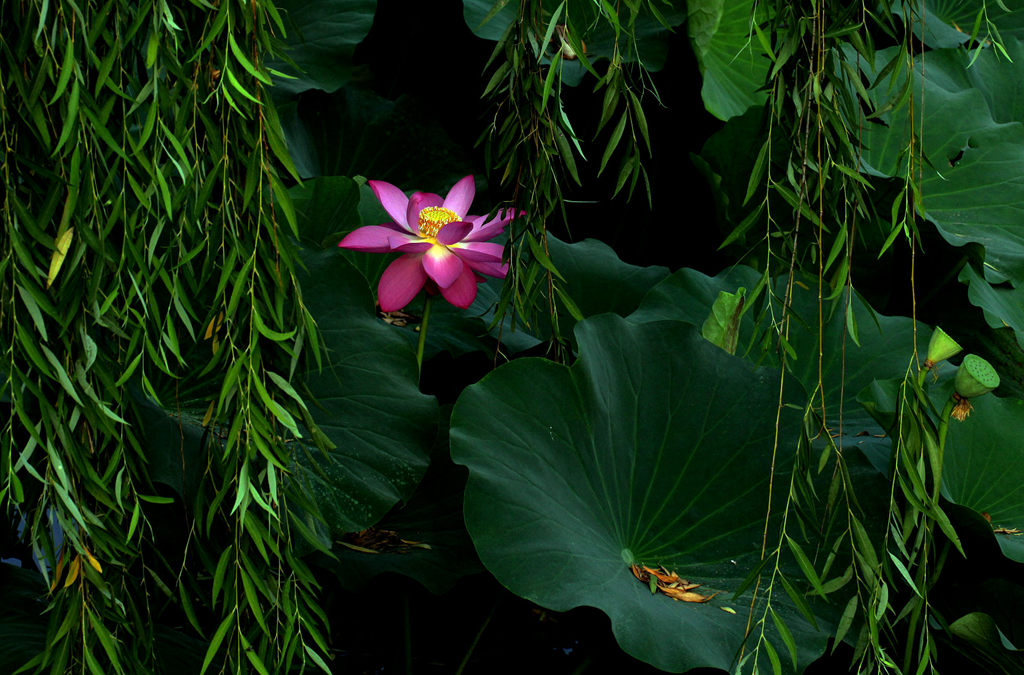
[(975, 377), (941, 347)]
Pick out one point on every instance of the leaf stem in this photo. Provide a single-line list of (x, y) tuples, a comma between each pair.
[(947, 411), (476, 638), (423, 334)]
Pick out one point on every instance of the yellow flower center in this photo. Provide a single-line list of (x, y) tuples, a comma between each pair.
[(433, 218)]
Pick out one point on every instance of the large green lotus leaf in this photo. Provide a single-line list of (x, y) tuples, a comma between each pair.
[(654, 447), (366, 402), (1003, 305), (328, 208), (726, 160), (596, 278), (355, 131), (971, 128), (598, 281), (431, 518), (687, 295), (984, 466), (986, 644), (948, 23), (885, 350), (731, 59), (175, 450), (322, 37), (646, 41)]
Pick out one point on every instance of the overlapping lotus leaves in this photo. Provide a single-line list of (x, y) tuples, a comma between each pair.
[(358, 132), (367, 403), (425, 539), (731, 59), (322, 36), (655, 447), (598, 280), (884, 346), (1003, 304), (972, 131), (885, 349)]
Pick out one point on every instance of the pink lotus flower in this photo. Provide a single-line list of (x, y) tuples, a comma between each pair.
[(443, 244)]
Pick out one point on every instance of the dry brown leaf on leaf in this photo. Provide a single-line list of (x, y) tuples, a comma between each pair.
[(1007, 530), (669, 583), (372, 540)]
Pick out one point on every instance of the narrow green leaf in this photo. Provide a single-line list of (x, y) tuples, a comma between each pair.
[(316, 658), (62, 375), (67, 68), (33, 311), (641, 119), (105, 638), (613, 142), (799, 600), (845, 621), (541, 256), (253, 657), (786, 634), (773, 657), (549, 32), (70, 118), (239, 86), (549, 80), (805, 565), (246, 63), (218, 637), (218, 574), (567, 157)]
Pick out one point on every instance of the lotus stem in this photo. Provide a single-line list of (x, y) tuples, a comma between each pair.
[(423, 334)]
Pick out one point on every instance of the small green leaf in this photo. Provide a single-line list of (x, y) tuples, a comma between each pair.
[(613, 141), (218, 637)]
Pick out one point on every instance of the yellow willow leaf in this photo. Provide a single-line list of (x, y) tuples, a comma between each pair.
[(93, 561), (214, 326), (59, 570), (73, 571), (208, 416), (63, 244)]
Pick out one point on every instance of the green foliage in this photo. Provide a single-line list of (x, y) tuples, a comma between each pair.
[(148, 229), (532, 142), (730, 48), (205, 415), (634, 452)]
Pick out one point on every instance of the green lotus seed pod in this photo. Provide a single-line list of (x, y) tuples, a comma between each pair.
[(975, 377), (941, 347)]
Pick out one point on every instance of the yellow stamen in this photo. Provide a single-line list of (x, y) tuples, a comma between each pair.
[(433, 218)]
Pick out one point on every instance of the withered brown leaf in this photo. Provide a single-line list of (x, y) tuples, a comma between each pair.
[(373, 540), (670, 583)]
